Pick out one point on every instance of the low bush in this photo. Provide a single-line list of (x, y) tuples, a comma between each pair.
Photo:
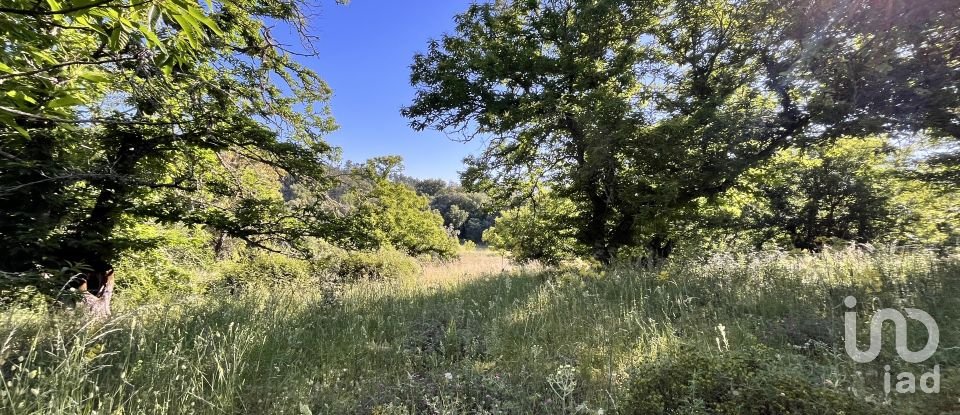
[(150, 275), (379, 264), (329, 266), (749, 381), (263, 270)]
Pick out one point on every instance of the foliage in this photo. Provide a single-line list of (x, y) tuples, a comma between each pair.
[(180, 264), (470, 213), (429, 187), (385, 263), (508, 342), (264, 271), (841, 191), (637, 110), (124, 112), (910, 79), (860, 190), (392, 214), (925, 215), (538, 231), (466, 213), (944, 167), (750, 381)]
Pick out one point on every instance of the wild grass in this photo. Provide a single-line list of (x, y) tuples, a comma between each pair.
[(513, 341), (472, 263)]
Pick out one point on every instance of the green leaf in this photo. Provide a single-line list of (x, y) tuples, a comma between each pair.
[(152, 39), (200, 17), (153, 16), (115, 37), (188, 29), (21, 130), (94, 77), (64, 101), (21, 97), (27, 98), (44, 56), (9, 121)]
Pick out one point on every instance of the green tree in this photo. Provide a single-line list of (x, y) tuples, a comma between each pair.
[(470, 213), (838, 191), (116, 111), (893, 67), (429, 187), (637, 110), (537, 231), (390, 213), (861, 190)]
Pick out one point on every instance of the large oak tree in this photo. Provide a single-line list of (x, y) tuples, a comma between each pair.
[(635, 109)]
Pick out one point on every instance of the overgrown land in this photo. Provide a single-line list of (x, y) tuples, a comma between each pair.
[(728, 334), (677, 207)]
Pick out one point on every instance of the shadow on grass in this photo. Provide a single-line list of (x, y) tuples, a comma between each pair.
[(495, 343)]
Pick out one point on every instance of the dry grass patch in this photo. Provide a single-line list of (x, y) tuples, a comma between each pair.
[(472, 264)]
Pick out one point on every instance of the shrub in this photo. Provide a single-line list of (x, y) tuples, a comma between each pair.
[(380, 264), (329, 267), (178, 265), (536, 231), (153, 274), (267, 270), (393, 215), (750, 381)]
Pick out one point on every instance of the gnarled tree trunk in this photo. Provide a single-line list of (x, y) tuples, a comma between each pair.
[(96, 290)]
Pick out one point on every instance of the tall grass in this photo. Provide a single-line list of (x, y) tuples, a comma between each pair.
[(550, 341)]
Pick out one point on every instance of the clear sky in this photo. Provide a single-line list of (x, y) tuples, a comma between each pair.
[(365, 50)]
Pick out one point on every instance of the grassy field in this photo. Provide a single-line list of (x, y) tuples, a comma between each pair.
[(726, 334)]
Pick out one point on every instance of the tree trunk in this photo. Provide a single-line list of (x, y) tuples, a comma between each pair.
[(91, 240), (218, 246), (96, 290), (659, 249)]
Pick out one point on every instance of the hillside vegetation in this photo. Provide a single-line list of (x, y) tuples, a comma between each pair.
[(758, 333), (664, 207)]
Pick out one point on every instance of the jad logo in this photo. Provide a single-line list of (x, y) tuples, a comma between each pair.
[(906, 381)]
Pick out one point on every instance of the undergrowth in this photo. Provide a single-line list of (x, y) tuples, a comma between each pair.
[(757, 333)]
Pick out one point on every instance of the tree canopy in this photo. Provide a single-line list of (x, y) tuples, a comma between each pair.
[(115, 112), (636, 110)]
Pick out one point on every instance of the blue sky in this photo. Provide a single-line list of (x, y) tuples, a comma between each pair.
[(365, 50)]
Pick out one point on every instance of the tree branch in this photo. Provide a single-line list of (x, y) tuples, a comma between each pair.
[(61, 65), (35, 12), (83, 121)]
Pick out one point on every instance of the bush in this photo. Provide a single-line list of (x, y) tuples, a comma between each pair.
[(392, 214), (751, 381), (380, 264), (151, 275), (537, 231), (267, 270), (330, 266), (178, 265)]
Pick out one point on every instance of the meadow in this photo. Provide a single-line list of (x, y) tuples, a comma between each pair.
[(752, 333), (682, 207)]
